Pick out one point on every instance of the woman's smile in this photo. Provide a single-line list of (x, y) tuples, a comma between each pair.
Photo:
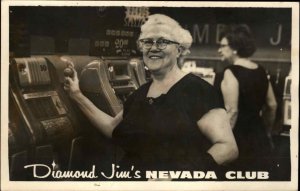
[(155, 57)]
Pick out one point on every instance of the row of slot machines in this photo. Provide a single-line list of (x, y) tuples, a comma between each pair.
[(46, 127)]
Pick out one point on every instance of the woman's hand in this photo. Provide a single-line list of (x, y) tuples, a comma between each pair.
[(71, 84)]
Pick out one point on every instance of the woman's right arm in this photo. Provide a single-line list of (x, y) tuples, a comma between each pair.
[(102, 121)]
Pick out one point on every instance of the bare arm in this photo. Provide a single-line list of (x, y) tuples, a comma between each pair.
[(269, 111), (230, 91), (215, 126), (103, 122)]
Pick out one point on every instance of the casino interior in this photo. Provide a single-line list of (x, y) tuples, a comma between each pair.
[(46, 127)]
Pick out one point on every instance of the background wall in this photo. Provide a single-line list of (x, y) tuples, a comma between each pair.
[(61, 26)]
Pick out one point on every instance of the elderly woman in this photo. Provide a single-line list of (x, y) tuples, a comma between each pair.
[(174, 122), (246, 89)]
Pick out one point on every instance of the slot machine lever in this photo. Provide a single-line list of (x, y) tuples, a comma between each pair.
[(68, 72)]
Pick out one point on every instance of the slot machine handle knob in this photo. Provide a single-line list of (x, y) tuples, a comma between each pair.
[(68, 72)]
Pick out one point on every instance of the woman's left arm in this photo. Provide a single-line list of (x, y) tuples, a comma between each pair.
[(269, 112), (215, 126)]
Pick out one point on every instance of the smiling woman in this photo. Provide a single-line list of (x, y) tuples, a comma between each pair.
[(170, 40), (177, 121)]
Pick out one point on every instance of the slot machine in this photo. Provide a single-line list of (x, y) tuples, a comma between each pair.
[(42, 122), (46, 126), (139, 70), (107, 82), (287, 107), (206, 73), (282, 141)]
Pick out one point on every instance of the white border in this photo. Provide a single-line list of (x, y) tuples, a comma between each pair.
[(43, 186)]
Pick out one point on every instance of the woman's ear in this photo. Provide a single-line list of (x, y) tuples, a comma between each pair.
[(180, 50)]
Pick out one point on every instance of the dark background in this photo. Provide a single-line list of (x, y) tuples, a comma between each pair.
[(60, 24)]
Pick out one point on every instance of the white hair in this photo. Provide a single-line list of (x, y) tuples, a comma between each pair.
[(170, 26)]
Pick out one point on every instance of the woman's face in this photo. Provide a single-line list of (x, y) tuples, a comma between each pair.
[(225, 51), (160, 60)]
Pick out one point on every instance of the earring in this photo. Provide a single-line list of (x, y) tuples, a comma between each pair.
[(234, 52)]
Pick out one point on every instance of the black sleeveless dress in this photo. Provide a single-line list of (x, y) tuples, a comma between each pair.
[(162, 133), (249, 131)]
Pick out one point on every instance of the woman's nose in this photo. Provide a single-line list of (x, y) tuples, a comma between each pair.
[(154, 47)]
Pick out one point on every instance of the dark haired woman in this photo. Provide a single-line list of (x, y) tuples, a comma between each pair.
[(246, 91)]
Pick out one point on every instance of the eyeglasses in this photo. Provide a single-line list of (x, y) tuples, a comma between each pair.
[(223, 45), (147, 43)]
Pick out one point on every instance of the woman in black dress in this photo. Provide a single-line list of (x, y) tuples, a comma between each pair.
[(247, 92), (177, 121)]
